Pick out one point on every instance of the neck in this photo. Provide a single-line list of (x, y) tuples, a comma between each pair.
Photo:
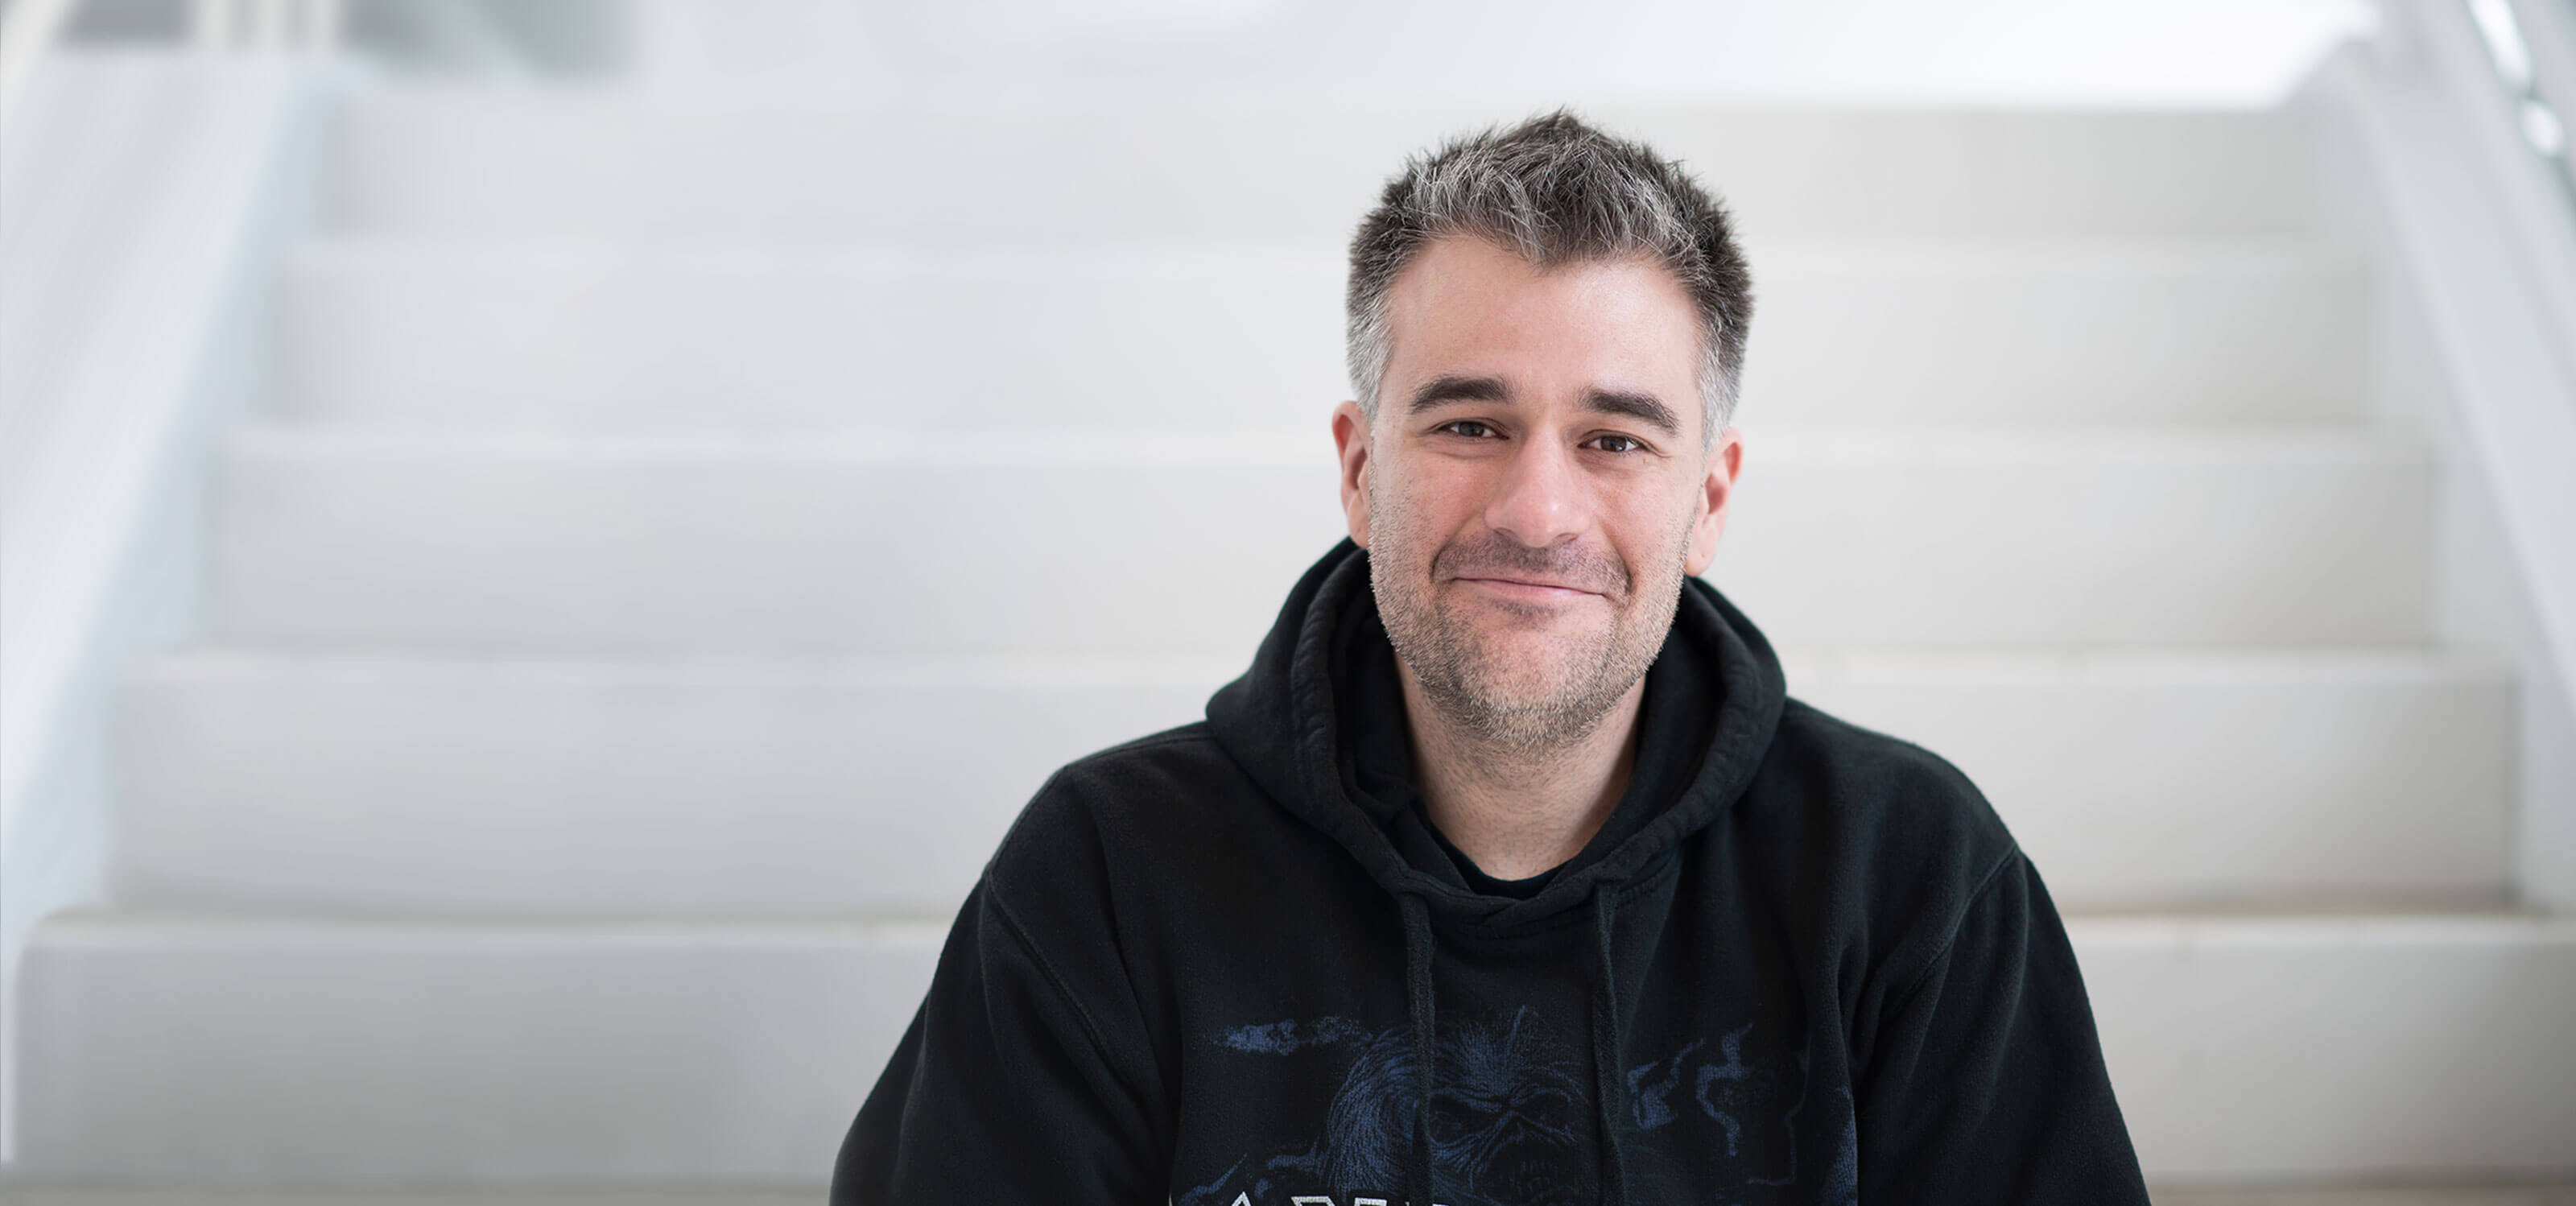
[(1514, 810)]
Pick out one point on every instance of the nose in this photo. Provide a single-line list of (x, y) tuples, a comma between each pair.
[(1540, 499)]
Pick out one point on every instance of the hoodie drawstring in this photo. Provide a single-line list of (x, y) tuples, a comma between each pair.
[(1417, 966), (1607, 1043), (1606, 1046)]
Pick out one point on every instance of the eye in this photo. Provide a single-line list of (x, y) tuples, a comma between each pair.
[(1614, 442), (1471, 428)]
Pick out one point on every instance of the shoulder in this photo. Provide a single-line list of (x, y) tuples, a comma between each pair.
[(1122, 864), (1897, 833), (1870, 783), (1154, 769), (1132, 812), (1141, 786)]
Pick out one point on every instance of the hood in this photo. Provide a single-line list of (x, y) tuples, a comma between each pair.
[(1281, 721)]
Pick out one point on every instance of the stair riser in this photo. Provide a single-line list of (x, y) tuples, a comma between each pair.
[(2245, 1051), (447, 163), (457, 1057), (596, 798), (2144, 787), (372, 543), (630, 792), (590, 338), (2258, 1052)]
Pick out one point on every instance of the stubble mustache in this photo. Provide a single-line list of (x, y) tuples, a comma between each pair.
[(1492, 554)]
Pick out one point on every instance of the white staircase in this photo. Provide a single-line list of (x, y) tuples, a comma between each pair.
[(687, 530)]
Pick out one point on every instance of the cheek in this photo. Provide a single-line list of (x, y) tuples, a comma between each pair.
[(1421, 506), (1653, 531)]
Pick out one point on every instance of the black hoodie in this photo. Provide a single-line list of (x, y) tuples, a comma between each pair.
[(1801, 963)]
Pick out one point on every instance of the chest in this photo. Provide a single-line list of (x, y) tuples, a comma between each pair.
[(1693, 1061)]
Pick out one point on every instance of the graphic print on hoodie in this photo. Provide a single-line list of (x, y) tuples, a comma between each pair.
[(1801, 963), (1511, 1121)]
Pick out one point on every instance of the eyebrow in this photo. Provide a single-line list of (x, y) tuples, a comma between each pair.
[(1645, 408), (1440, 390)]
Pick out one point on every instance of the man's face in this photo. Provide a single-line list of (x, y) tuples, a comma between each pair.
[(1533, 488)]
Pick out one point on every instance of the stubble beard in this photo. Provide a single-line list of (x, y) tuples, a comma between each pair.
[(1510, 705)]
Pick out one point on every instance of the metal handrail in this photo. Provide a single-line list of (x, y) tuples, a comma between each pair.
[(2532, 46)]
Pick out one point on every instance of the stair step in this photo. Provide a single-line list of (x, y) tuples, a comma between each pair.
[(1090, 542), (748, 787), (1031, 542), (691, 1196), (420, 1055), (2441, 1195), (2482, 1193), (2159, 779), (614, 163), (585, 336), (2252, 1049), (443, 1054), (705, 787), (903, 544)]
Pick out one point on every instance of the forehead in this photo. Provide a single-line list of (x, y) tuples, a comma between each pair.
[(1468, 306)]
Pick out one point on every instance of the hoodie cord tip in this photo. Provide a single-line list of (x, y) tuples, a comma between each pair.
[(1417, 960), (1606, 1047)]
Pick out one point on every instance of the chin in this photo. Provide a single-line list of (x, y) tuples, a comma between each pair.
[(1509, 676)]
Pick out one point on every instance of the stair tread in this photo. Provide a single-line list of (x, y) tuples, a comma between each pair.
[(2419, 1195), (218, 662), (1077, 446), (116, 928), (471, 251)]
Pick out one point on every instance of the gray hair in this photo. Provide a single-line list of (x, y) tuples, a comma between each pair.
[(1556, 191)]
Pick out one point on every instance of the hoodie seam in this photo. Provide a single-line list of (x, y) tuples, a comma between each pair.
[(1941, 954), (1177, 735), (1054, 980)]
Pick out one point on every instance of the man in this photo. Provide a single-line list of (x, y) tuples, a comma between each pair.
[(1509, 875)]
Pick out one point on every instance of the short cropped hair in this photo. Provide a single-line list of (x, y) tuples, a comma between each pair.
[(1554, 191)]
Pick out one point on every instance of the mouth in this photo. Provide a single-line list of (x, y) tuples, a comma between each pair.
[(1529, 590)]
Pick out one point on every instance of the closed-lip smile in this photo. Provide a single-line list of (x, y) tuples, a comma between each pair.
[(1527, 587)]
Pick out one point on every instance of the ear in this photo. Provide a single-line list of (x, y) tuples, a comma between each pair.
[(1351, 443), (1717, 489)]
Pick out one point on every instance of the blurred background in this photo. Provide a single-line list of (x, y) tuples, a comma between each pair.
[(543, 541)]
